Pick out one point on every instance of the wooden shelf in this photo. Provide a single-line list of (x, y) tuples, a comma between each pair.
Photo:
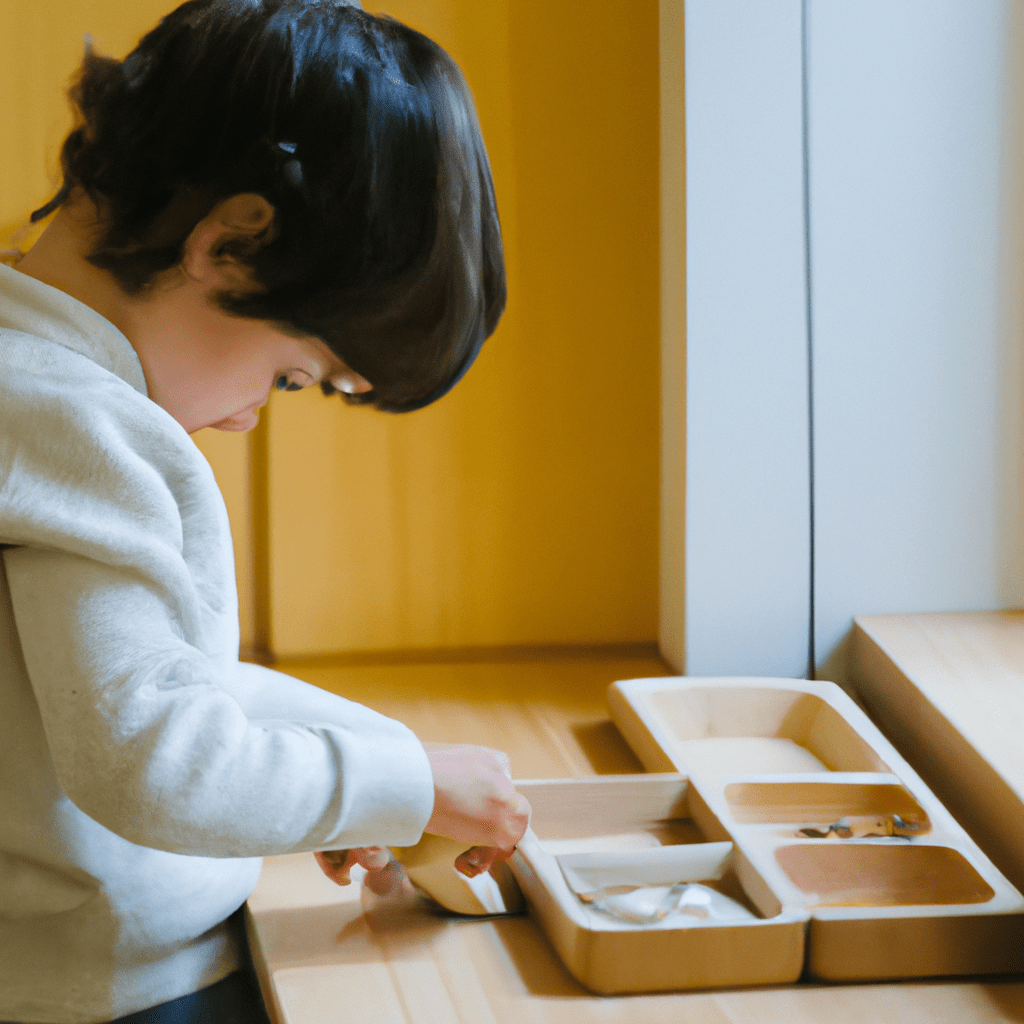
[(948, 689)]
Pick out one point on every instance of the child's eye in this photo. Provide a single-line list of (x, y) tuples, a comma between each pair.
[(284, 384)]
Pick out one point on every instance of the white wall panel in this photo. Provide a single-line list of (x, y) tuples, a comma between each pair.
[(915, 332), (746, 416), (916, 229)]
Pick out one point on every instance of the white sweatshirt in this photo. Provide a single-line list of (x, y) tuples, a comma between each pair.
[(143, 770)]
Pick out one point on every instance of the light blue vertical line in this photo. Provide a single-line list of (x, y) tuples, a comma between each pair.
[(809, 319)]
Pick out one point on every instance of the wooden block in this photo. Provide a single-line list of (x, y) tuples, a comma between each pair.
[(430, 866)]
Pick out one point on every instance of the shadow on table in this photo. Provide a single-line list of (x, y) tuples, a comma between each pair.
[(535, 959), (1008, 996), (605, 749)]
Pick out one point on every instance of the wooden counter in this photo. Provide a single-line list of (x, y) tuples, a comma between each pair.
[(331, 955)]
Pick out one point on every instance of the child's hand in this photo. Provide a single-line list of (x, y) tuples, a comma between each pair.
[(337, 864), (475, 802)]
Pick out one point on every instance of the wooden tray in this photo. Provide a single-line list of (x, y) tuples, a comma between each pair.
[(758, 762)]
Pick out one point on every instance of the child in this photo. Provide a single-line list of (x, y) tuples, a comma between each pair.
[(265, 193)]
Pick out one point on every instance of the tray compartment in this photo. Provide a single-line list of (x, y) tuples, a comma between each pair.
[(612, 813), (614, 820), (708, 864), (872, 874), (753, 730), (820, 802)]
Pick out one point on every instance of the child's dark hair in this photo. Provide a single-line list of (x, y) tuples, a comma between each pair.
[(361, 134)]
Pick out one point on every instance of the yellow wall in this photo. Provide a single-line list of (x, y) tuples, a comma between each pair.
[(42, 44), (522, 509)]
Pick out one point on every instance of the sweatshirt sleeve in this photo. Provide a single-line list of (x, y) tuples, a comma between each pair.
[(123, 594)]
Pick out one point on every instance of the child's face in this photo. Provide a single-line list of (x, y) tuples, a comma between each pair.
[(238, 376), (210, 369)]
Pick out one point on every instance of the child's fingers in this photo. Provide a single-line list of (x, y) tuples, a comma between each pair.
[(388, 881), (373, 858), (476, 860), (515, 823), (336, 865)]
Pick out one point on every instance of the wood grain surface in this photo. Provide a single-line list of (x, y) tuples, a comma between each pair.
[(332, 955)]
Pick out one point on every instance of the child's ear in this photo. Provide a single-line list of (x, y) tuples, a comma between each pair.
[(234, 226)]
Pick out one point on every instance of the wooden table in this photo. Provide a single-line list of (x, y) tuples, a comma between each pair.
[(331, 955)]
